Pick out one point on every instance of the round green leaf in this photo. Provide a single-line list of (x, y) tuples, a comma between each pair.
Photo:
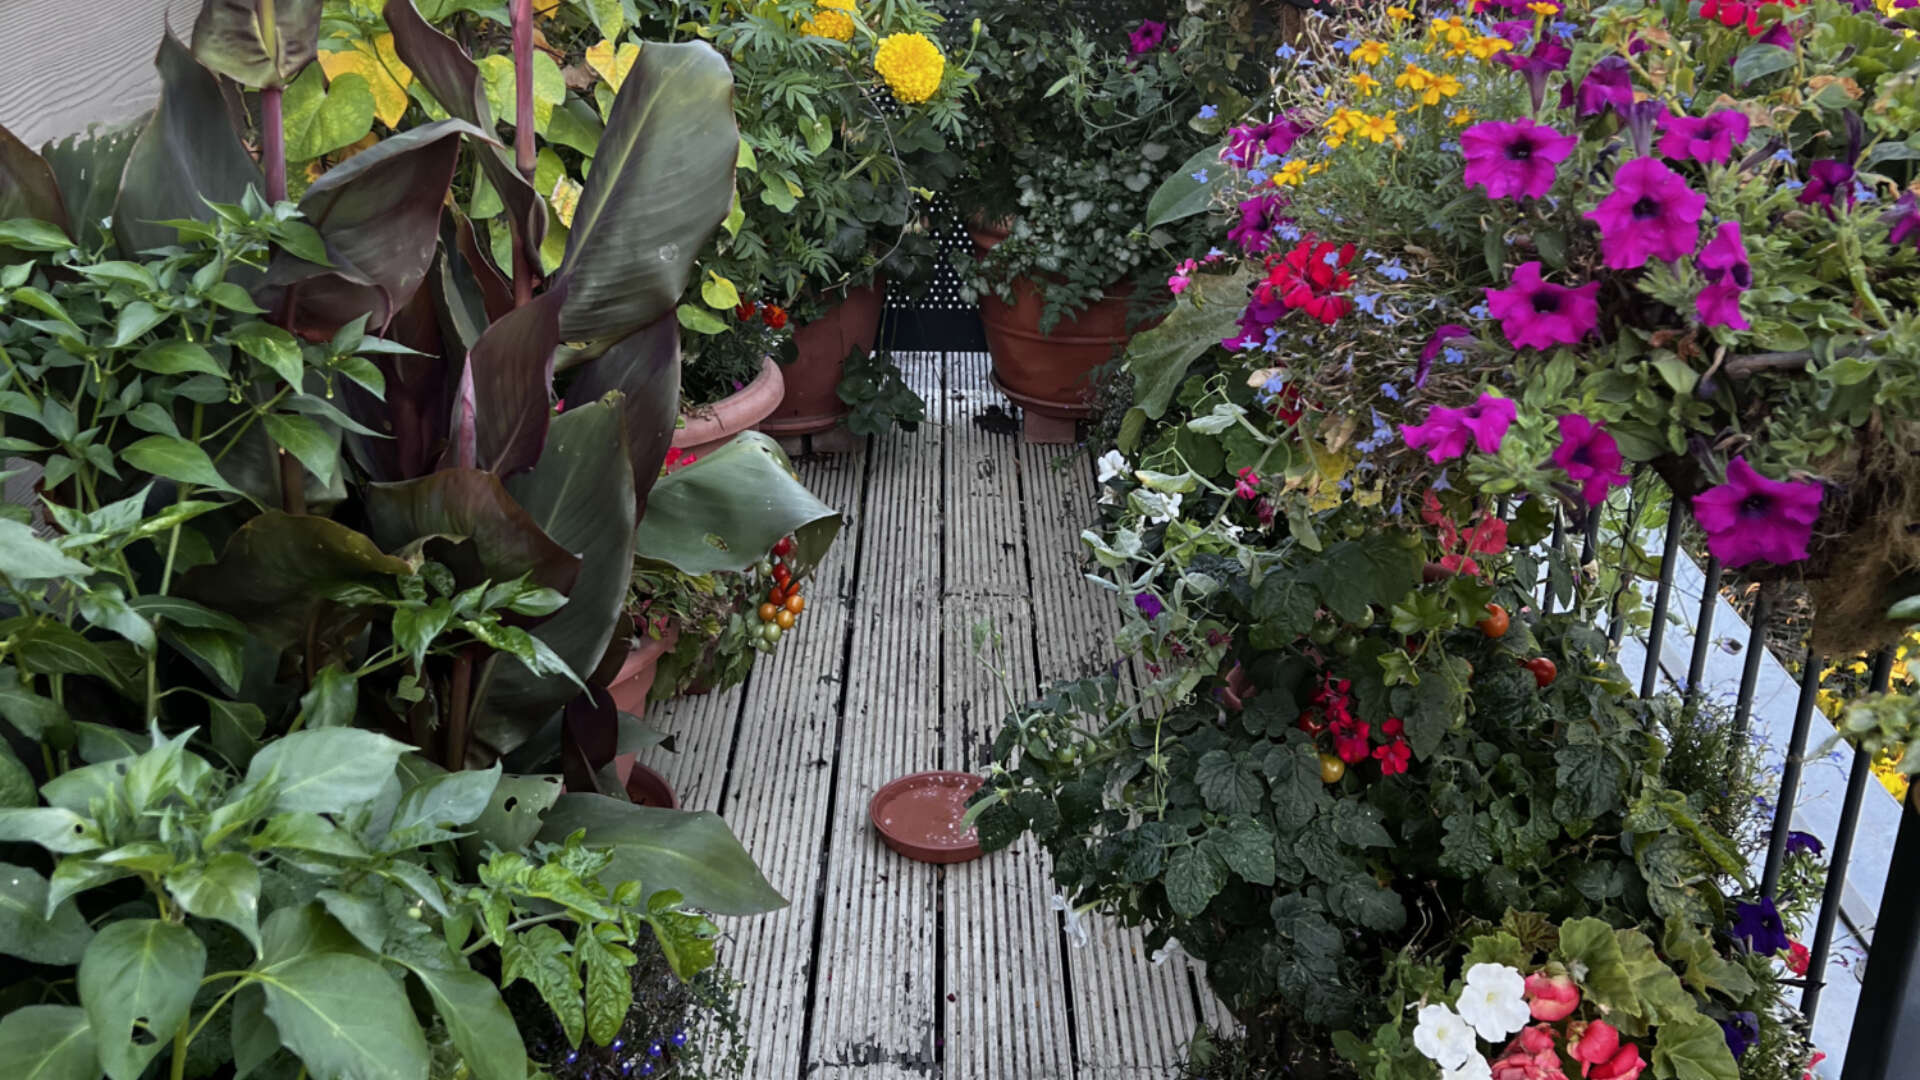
[(139, 973)]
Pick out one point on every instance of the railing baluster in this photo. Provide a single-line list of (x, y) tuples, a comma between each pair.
[(1790, 773), (1559, 543), (1887, 1020), (1662, 598), (1703, 630), (1750, 671), (1857, 780)]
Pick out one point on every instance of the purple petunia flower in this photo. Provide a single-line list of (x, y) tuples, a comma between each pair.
[(1800, 843), (1251, 144), (1537, 313), (1725, 257), (1826, 179), (1651, 213), (1750, 518), (1447, 432), (1903, 220), (1146, 37), (1608, 85), (1546, 57), (1513, 160), (1590, 457), (1719, 305), (1435, 345), (1709, 139), (1149, 605), (1742, 1030), (1258, 216), (1758, 924)]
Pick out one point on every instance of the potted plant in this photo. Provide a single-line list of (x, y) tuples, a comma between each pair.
[(732, 384), (1075, 130)]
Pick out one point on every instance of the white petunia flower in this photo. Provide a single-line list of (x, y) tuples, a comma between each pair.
[(1494, 1001), (1476, 1068), (1113, 465), (1076, 922), (1165, 953), (1160, 508), (1444, 1037)]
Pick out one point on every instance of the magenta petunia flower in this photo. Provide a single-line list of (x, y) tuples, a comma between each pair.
[(1513, 160), (1725, 257), (1608, 85), (1146, 37), (1248, 144), (1750, 518), (1258, 218), (1447, 431), (1590, 457), (1903, 220), (1719, 305), (1435, 345), (1545, 58), (1708, 139), (1651, 213), (1539, 314), (1827, 179), (1514, 30)]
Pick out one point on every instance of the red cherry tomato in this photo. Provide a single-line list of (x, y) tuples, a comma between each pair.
[(1544, 671), (784, 547), (1496, 623)]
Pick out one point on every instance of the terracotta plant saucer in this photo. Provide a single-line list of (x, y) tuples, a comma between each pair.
[(919, 816)]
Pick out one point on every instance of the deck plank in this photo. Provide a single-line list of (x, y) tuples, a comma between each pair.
[(875, 1004), (702, 727), (777, 786)]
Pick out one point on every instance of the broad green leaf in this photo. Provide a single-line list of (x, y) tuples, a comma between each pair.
[(272, 346), (48, 1042), (332, 700), (139, 974), (1591, 943), (1694, 1048), (54, 828), (25, 557), (176, 459), (446, 801), (183, 612), (1182, 195), (514, 813), (329, 770), (344, 1016), (225, 888), (257, 42), (609, 987), (694, 854), (1207, 313), (1758, 61), (648, 210), (178, 358), (27, 931), (187, 156), (307, 441), (321, 118), (476, 1018), (734, 503), (134, 321), (279, 569), (16, 783)]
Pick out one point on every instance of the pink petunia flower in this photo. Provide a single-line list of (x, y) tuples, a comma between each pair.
[(1651, 213), (1546, 57), (1719, 305), (1537, 313), (1709, 139), (1828, 179), (1436, 345), (1750, 518), (1608, 85), (1146, 37), (1447, 432), (1591, 459), (1513, 160), (1904, 219), (1247, 144), (1725, 257)]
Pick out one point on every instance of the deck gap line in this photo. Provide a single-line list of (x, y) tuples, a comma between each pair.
[(941, 522)]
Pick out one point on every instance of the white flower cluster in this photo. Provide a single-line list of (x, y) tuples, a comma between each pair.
[(1492, 1005)]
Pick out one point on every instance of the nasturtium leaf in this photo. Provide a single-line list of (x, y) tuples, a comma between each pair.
[(139, 973)]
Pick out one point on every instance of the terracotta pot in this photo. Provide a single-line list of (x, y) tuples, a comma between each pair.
[(920, 815), (812, 403), (1049, 374), (635, 680), (648, 788), (711, 427)]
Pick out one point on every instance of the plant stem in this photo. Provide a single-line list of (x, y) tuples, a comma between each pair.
[(456, 750), (533, 920), (273, 144), (523, 157), (180, 1040)]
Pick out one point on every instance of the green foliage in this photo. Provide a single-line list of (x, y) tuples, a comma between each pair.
[(870, 382)]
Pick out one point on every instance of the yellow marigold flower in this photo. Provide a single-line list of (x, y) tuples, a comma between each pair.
[(1415, 78), (1399, 14), (1485, 48), (912, 66), (831, 20), (1543, 9), (1441, 28), (1366, 83), (1370, 52), (1290, 174), (1376, 128), (1461, 118), (1317, 169), (1442, 86)]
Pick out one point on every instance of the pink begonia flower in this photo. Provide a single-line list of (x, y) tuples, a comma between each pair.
[(1708, 139), (1651, 213), (1750, 518), (1447, 432), (1530, 1056), (1602, 1055), (1537, 313), (1552, 997), (1514, 160), (1592, 460)]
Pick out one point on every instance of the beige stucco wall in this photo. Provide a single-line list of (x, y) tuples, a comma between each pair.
[(67, 63)]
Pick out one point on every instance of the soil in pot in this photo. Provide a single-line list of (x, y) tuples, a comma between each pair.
[(812, 401), (709, 427)]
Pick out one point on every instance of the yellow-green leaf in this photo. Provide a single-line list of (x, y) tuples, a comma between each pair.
[(320, 119), (376, 62), (735, 217), (699, 321), (609, 15), (718, 292), (549, 87), (612, 64), (747, 160)]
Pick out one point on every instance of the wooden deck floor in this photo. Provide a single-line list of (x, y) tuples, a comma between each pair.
[(882, 967)]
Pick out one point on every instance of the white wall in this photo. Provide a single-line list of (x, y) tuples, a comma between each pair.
[(67, 63)]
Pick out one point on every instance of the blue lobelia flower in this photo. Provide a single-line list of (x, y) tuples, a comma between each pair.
[(1208, 112)]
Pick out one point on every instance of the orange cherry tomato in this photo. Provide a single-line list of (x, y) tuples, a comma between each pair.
[(1496, 623), (784, 619), (1331, 769), (1544, 671), (767, 612), (796, 603)]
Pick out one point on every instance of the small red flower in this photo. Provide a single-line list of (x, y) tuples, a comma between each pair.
[(1798, 958), (744, 311), (1393, 757), (774, 316)]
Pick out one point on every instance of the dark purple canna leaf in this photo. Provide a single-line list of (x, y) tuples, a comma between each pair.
[(257, 43), (645, 367), (491, 536), (278, 571), (187, 155), (511, 370), (27, 185), (661, 183), (379, 214)]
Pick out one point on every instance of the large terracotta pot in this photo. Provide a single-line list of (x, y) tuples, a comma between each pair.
[(812, 403), (711, 427), (1048, 374), (635, 681)]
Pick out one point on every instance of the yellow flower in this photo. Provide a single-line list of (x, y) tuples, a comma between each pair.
[(1370, 52), (1415, 78), (1399, 14), (1485, 48), (1543, 9), (1290, 174), (1376, 128), (1442, 86), (912, 66), (1461, 118), (831, 20), (1367, 83)]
